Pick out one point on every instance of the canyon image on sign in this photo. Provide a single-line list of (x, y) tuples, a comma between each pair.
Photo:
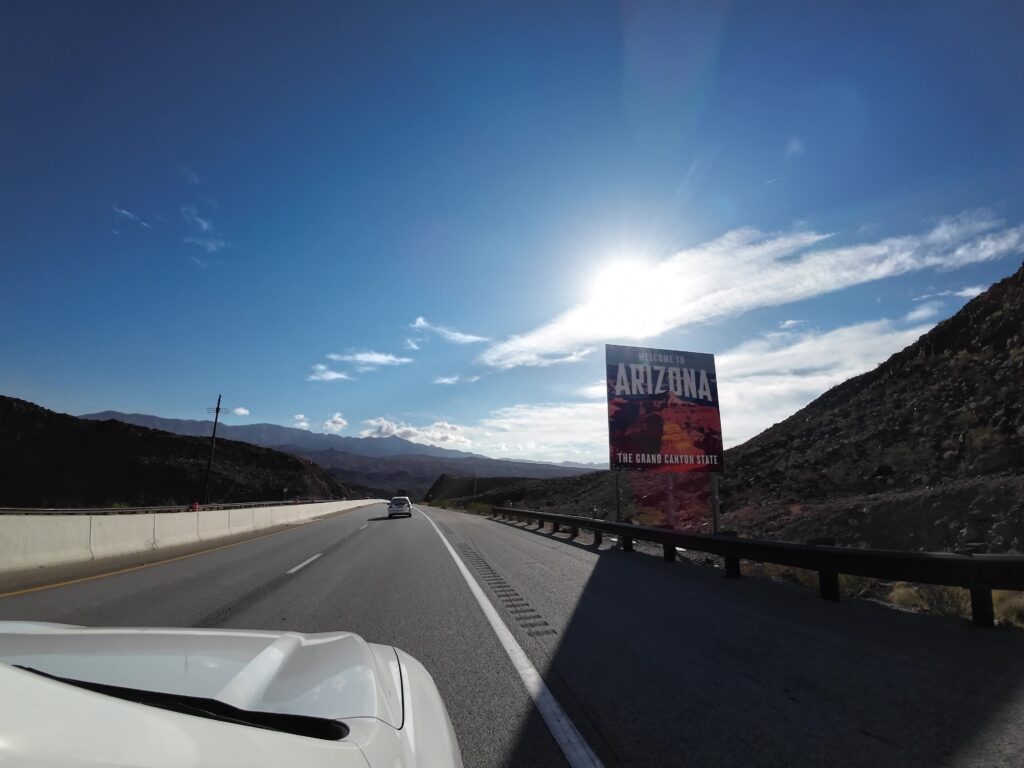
[(662, 410)]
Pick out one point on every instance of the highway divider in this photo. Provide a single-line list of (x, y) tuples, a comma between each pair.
[(31, 538), (979, 573)]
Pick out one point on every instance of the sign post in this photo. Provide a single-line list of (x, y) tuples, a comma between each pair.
[(663, 415)]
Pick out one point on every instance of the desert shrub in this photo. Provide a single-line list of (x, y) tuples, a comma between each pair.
[(782, 573), (478, 508), (943, 600), (905, 596), (1009, 606), (856, 586)]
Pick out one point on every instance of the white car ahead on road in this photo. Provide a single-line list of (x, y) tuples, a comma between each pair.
[(74, 696), (400, 505)]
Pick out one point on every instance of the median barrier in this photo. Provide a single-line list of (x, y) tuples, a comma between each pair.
[(262, 517), (214, 523), (174, 529), (121, 535), (63, 539), (32, 538), (240, 520)]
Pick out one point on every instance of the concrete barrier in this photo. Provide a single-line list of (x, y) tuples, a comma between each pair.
[(178, 528), (33, 540), (25, 540), (121, 534), (262, 517), (240, 520), (214, 524)]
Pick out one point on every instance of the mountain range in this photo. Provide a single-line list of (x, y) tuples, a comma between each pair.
[(392, 465)]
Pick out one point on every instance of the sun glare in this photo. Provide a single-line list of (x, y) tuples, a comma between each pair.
[(618, 281)]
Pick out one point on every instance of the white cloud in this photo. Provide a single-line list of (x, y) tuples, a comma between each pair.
[(131, 217), (925, 311), (794, 147), (323, 373), (240, 411), (299, 421), (370, 359), (766, 380), (790, 324), (189, 175), (441, 433), (598, 390), (335, 424), (410, 344), (210, 244), (545, 432), (968, 292), (206, 235), (446, 380), (456, 337), (638, 302)]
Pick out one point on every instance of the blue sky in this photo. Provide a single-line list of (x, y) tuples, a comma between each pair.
[(335, 209)]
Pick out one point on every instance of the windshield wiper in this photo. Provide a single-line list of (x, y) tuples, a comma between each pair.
[(300, 725)]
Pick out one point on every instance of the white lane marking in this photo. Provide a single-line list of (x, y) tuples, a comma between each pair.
[(304, 563), (363, 526), (576, 750)]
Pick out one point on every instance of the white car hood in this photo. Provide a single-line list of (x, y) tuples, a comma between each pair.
[(336, 675)]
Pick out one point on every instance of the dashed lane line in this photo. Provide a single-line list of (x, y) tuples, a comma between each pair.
[(304, 563)]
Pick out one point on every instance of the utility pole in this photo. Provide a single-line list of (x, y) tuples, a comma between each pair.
[(213, 446)]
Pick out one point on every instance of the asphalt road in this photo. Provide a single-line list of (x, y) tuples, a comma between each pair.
[(655, 664)]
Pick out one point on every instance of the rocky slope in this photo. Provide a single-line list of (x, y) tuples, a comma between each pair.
[(54, 460), (928, 446)]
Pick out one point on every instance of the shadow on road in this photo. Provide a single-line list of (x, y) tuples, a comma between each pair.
[(674, 665)]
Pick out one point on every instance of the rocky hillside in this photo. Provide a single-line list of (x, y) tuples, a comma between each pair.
[(930, 444), (454, 486), (54, 460), (924, 452)]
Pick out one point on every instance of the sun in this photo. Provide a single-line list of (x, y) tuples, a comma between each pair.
[(619, 281)]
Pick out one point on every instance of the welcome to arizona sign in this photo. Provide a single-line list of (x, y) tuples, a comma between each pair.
[(662, 410)]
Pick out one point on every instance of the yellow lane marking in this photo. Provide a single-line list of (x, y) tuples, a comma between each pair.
[(158, 562)]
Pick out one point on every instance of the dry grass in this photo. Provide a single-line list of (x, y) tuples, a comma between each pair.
[(785, 573), (1009, 607), (931, 598)]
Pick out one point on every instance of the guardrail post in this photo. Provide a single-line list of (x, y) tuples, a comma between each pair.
[(597, 538), (574, 531), (828, 581), (627, 543), (668, 553), (732, 564), (982, 613)]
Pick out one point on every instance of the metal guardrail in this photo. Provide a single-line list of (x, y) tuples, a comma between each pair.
[(979, 573), (158, 509)]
